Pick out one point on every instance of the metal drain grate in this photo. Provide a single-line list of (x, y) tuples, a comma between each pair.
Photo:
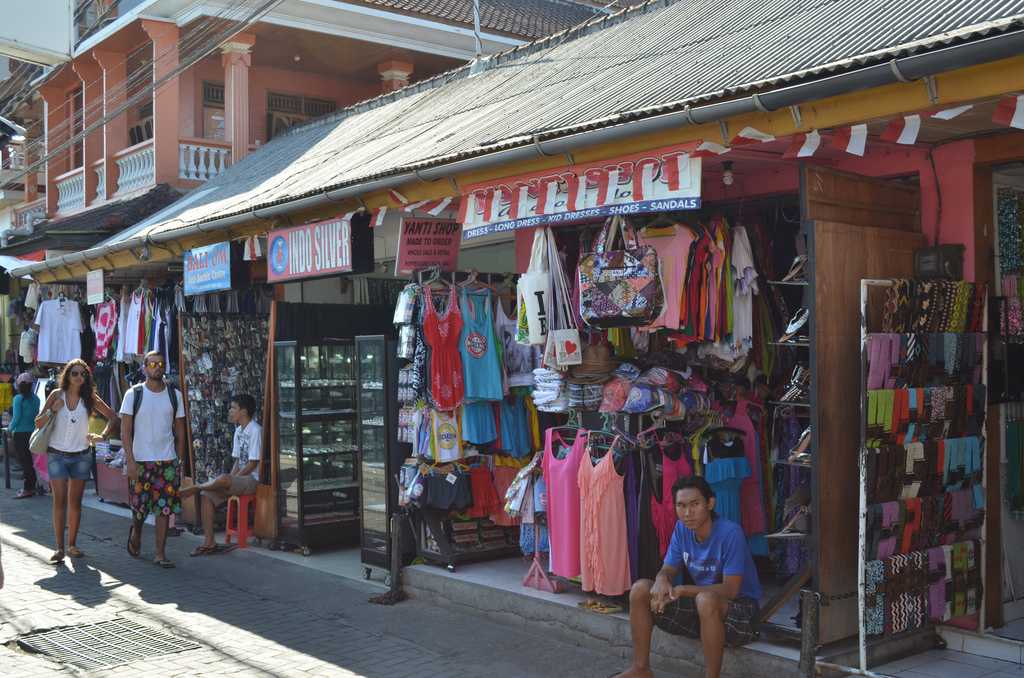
[(105, 644)]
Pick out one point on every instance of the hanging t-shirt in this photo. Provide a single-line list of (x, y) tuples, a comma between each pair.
[(32, 297), (744, 277), (520, 359), (481, 369), (60, 331), (445, 436), (153, 426), (27, 345), (673, 246), (133, 323), (104, 323)]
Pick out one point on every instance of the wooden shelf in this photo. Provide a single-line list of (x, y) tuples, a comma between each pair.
[(791, 344), (789, 283), (793, 403)]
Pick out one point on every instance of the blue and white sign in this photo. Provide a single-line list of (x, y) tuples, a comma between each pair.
[(208, 269)]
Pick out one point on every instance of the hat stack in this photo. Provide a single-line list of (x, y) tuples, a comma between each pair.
[(596, 368)]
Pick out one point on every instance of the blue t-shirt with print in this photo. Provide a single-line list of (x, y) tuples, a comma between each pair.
[(723, 553)]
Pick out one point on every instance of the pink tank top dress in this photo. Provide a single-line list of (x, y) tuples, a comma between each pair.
[(604, 544), (563, 492), (663, 510), (752, 508)]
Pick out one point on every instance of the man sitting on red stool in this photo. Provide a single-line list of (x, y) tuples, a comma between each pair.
[(244, 476)]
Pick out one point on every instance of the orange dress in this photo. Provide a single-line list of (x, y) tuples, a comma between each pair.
[(604, 548)]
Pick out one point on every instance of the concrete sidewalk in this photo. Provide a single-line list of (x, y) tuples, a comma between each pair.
[(251, 614)]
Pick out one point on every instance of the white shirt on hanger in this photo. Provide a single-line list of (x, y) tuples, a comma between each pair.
[(60, 331), (132, 341)]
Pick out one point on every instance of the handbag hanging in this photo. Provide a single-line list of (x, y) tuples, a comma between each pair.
[(620, 287), (39, 441), (564, 334), (533, 294)]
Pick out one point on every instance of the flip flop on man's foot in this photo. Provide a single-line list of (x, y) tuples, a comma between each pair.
[(204, 550), (134, 547), (75, 552), (164, 563)]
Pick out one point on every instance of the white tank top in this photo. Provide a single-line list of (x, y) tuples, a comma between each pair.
[(71, 429)]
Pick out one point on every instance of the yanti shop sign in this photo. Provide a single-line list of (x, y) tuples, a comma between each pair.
[(427, 242), (208, 269), (314, 249), (662, 180)]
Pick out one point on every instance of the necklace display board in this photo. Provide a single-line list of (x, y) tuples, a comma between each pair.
[(922, 488), (222, 355)]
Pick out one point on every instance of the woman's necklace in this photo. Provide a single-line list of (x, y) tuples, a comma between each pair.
[(67, 403)]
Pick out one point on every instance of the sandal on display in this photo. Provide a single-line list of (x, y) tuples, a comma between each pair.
[(797, 526), (796, 324), (797, 269), (800, 450)]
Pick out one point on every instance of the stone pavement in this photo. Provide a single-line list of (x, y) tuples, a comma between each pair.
[(251, 615)]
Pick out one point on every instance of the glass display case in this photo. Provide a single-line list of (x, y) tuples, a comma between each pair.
[(382, 454), (318, 465)]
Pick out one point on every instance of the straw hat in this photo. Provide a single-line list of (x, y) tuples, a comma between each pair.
[(597, 366)]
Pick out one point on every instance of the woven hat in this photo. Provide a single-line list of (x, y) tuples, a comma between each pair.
[(597, 366), (23, 378)]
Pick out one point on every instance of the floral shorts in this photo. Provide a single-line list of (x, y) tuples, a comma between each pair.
[(156, 490)]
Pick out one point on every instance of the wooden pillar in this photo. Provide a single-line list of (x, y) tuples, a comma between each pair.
[(91, 75), (166, 99), (115, 131), (236, 57)]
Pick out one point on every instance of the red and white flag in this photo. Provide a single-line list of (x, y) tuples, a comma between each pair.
[(750, 135), (398, 197), (853, 139), (903, 130), (709, 149), (950, 113), (413, 206), (519, 205), (803, 145), (643, 179), (1010, 112), (378, 217), (438, 207)]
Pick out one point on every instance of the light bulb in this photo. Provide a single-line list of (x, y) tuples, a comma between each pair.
[(727, 177)]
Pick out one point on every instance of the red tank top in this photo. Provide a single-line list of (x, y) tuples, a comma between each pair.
[(442, 335)]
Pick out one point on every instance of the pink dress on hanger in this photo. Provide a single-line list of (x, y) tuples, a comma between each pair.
[(663, 513), (563, 492), (752, 508), (604, 543)]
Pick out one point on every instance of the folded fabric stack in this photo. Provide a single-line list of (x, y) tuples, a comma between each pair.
[(549, 392)]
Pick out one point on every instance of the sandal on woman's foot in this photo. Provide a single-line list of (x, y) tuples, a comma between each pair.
[(24, 494), (57, 557), (75, 552), (164, 563), (203, 550), (134, 549)]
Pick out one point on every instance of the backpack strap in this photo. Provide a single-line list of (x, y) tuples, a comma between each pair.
[(138, 391)]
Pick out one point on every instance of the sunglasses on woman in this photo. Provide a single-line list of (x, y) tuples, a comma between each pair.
[(77, 373)]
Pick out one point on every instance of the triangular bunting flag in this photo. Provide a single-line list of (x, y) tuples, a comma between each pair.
[(749, 135), (903, 130), (852, 139), (709, 149), (950, 113), (438, 207), (398, 197), (1010, 111), (803, 145), (378, 217)]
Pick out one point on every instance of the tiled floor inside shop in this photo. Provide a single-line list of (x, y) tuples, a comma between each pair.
[(950, 664)]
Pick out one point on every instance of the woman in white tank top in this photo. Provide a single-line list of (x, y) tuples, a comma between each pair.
[(69, 457)]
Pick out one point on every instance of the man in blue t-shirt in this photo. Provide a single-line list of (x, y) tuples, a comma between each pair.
[(721, 605)]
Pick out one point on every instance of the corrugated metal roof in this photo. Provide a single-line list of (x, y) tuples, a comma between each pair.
[(526, 18), (643, 61)]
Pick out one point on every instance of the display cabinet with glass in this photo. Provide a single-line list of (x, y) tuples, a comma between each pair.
[(381, 452), (318, 469)]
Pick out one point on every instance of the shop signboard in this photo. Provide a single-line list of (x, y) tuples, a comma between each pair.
[(94, 287), (315, 249), (662, 180), (423, 243), (208, 269)]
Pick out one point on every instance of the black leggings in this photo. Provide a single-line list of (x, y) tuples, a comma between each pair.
[(24, 457)]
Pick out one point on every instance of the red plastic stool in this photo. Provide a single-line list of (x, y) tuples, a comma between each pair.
[(241, 525)]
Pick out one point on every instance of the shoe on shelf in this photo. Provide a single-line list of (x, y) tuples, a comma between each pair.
[(796, 323), (797, 270), (802, 446)]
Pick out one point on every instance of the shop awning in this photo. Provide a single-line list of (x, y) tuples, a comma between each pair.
[(637, 65)]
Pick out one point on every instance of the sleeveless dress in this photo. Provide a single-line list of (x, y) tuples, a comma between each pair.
[(563, 499), (442, 336), (481, 368), (663, 508), (752, 506), (604, 554)]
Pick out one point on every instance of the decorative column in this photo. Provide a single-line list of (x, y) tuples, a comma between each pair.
[(236, 56), (394, 75), (54, 112), (92, 106), (115, 131), (166, 99)]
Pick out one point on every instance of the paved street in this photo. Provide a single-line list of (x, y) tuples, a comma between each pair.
[(251, 615)]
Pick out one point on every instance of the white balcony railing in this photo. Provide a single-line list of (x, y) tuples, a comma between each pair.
[(71, 191), (136, 167), (30, 213), (202, 160), (101, 180)]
